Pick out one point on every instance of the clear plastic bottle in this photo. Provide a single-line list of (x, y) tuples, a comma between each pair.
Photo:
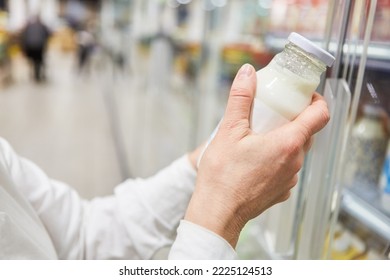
[(367, 150), (286, 85)]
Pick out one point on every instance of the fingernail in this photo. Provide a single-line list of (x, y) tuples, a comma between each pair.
[(245, 71)]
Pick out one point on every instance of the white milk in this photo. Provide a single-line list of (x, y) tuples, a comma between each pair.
[(280, 96), (284, 91)]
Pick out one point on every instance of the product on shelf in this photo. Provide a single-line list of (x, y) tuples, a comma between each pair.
[(373, 255), (4, 56), (306, 17), (381, 31), (367, 149), (347, 246), (385, 182), (236, 54)]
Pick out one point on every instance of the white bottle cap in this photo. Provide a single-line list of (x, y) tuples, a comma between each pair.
[(312, 48)]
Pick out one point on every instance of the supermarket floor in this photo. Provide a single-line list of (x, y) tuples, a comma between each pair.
[(93, 130)]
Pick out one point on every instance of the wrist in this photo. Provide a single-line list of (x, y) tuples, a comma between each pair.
[(215, 216), (194, 155)]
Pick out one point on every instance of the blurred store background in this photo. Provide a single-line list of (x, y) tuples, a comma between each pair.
[(127, 86)]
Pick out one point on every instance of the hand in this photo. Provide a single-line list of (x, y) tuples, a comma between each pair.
[(241, 173), (195, 154)]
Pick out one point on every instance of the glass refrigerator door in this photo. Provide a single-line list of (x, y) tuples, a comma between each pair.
[(349, 30), (364, 208), (304, 226)]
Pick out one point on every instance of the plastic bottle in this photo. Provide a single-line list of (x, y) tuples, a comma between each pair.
[(286, 85), (367, 150)]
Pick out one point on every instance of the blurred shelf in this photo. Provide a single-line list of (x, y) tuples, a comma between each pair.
[(276, 41), (378, 64), (378, 53), (367, 211), (379, 50)]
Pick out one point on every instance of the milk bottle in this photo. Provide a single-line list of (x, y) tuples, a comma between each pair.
[(286, 85)]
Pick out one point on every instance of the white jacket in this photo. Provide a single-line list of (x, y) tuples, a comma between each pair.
[(41, 218)]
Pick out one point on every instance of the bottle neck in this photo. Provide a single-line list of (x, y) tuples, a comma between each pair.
[(300, 62)]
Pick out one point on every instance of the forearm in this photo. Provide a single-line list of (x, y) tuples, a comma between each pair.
[(140, 218), (152, 208)]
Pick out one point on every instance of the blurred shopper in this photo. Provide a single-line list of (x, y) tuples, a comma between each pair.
[(241, 174), (86, 44), (34, 39), (161, 66), (5, 71), (115, 44)]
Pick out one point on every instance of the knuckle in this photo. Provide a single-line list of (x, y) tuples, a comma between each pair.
[(229, 124), (285, 196), (325, 116), (239, 91), (294, 181), (214, 162), (308, 145), (298, 163), (305, 133), (291, 147)]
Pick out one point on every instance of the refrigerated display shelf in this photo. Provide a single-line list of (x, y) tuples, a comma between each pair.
[(374, 64), (367, 211), (378, 53)]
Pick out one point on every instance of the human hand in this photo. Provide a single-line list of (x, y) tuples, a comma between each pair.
[(194, 155), (241, 173)]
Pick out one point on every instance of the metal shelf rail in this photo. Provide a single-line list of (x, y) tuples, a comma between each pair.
[(367, 211)]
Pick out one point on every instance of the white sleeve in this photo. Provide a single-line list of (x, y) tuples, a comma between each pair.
[(194, 242), (146, 214), (137, 220)]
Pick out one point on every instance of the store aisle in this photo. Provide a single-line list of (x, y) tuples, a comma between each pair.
[(94, 131), (62, 125)]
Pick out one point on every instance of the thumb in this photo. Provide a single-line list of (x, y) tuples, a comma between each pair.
[(240, 98)]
